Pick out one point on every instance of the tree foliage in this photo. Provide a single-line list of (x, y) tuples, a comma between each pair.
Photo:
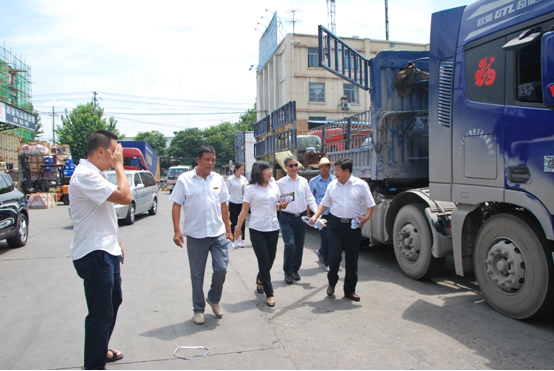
[(155, 139), (79, 124), (221, 137), (39, 128)]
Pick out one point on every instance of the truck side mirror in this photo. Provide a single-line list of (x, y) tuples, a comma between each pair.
[(547, 65)]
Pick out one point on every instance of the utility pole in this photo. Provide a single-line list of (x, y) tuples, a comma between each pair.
[(387, 19), (94, 99), (53, 129)]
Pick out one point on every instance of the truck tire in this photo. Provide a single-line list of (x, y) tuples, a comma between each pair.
[(513, 266), (20, 238), (130, 219), (154, 209), (413, 243)]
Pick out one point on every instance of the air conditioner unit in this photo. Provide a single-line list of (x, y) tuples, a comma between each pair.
[(345, 105)]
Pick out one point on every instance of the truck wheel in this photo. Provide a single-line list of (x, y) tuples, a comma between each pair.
[(513, 266), (65, 199), (22, 233), (413, 243), (154, 209), (130, 219)]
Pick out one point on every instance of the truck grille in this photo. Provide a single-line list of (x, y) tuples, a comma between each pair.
[(446, 70)]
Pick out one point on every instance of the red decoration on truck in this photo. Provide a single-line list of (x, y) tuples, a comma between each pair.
[(552, 89), (485, 74)]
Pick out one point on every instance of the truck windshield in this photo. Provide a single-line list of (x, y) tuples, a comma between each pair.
[(112, 178), (174, 173)]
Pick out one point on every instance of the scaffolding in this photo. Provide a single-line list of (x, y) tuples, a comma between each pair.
[(15, 81)]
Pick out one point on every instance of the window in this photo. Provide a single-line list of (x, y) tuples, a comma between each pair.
[(4, 186), (312, 57), (317, 118), (317, 91), (528, 73), (137, 180), (485, 71), (352, 93), (149, 180)]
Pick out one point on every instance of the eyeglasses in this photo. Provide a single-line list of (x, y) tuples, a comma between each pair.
[(293, 165)]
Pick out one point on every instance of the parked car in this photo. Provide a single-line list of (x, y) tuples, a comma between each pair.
[(14, 216), (144, 191)]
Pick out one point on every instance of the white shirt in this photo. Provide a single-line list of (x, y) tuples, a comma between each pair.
[(263, 217), (345, 200), (94, 220), (201, 200), (302, 194), (236, 188)]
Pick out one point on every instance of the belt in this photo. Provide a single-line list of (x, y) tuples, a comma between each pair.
[(296, 215), (342, 220)]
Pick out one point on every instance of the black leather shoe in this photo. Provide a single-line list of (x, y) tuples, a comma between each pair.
[(295, 276), (330, 290), (258, 285), (271, 305), (352, 297), (288, 278)]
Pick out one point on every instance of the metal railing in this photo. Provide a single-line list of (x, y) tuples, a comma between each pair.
[(278, 142)]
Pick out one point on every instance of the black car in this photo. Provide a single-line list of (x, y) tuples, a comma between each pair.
[(14, 217)]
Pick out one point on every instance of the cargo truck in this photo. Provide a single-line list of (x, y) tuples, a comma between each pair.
[(138, 155), (461, 161)]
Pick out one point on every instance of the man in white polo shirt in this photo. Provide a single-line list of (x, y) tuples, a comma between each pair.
[(345, 196), (96, 249), (203, 196), (293, 229)]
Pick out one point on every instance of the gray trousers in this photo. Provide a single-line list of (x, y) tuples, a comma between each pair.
[(198, 249)]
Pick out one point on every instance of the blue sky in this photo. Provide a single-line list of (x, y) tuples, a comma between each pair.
[(145, 58)]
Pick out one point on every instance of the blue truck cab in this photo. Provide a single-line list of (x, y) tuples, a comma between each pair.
[(478, 184)]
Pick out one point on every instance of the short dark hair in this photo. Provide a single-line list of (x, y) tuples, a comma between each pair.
[(289, 158), (257, 169), (238, 165), (100, 138), (204, 149), (345, 164)]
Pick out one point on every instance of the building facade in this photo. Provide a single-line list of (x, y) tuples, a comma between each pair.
[(292, 73)]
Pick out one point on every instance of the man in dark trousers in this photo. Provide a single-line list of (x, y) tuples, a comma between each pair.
[(345, 196), (96, 249), (293, 229)]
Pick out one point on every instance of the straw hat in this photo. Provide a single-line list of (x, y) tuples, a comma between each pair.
[(323, 161)]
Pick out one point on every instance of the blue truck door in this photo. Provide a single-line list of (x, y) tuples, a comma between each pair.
[(478, 124), (529, 132)]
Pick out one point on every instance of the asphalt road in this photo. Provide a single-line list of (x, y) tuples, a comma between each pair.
[(398, 324)]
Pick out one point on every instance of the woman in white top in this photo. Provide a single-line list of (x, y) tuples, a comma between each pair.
[(236, 185), (261, 198)]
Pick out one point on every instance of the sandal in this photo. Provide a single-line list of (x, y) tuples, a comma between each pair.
[(114, 356)]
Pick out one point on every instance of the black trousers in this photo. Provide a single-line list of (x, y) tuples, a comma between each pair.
[(234, 211), (101, 276), (265, 248), (342, 237)]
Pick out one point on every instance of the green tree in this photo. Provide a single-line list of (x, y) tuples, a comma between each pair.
[(222, 138), (39, 129), (247, 120), (155, 139), (186, 143), (79, 124)]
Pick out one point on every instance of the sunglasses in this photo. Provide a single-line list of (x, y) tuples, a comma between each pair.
[(293, 165)]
